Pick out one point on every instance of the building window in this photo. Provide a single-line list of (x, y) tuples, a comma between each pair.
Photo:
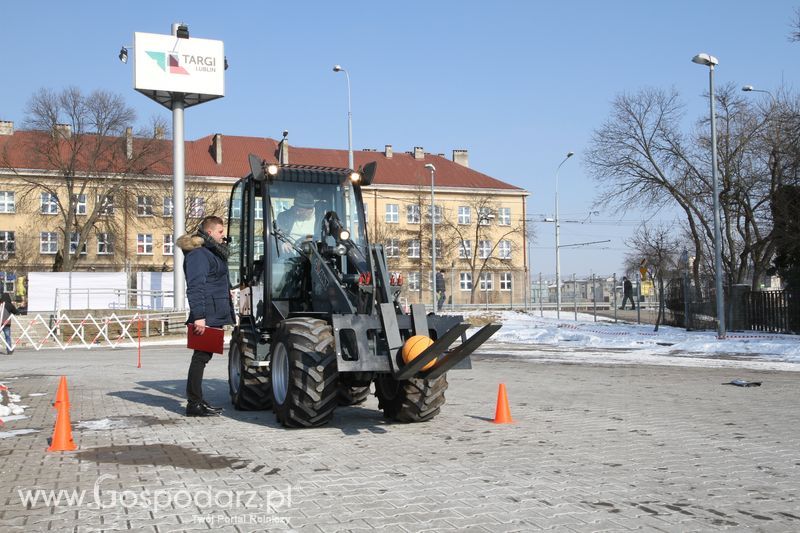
[(7, 204), (144, 206), (504, 216), (7, 282), (48, 242), (168, 206), (484, 216), (49, 204), (197, 206), (504, 249), (392, 213), (79, 204), (484, 249), (168, 245), (505, 281), (73, 243), (106, 204), (464, 214), (438, 213), (413, 281), (438, 249), (465, 250), (412, 214), (465, 281), (258, 247), (392, 248), (7, 242), (105, 244), (413, 248), (144, 244), (258, 209), (485, 283)]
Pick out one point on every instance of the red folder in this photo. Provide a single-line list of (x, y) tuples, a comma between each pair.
[(211, 340)]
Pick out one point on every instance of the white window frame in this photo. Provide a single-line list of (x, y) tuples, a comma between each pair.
[(49, 204), (504, 249), (464, 215), (48, 242), (144, 244), (8, 203), (413, 248), (144, 206), (168, 248), (79, 203), (197, 206), (106, 202), (392, 248), (465, 249), (392, 215), (506, 281), (412, 281), (484, 249), (485, 282), (465, 281), (504, 216), (105, 244), (484, 216), (8, 242), (169, 206), (438, 213), (8, 285), (74, 236), (413, 214)]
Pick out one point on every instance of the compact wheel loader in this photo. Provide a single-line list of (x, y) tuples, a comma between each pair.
[(319, 317)]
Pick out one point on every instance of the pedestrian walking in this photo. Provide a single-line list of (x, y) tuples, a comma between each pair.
[(6, 310), (627, 293), (440, 290), (210, 304)]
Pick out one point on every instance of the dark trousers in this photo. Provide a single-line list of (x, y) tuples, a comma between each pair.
[(625, 299), (194, 383)]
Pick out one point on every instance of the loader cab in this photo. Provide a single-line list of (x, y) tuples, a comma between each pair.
[(282, 225)]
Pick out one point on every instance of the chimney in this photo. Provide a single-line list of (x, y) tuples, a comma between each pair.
[(64, 130), (6, 127), (387, 151), (129, 142), (419, 153), (461, 157), (158, 133), (216, 148)]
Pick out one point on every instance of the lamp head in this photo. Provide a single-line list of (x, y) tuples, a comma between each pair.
[(747, 88), (123, 54), (570, 154), (705, 59), (337, 68), (182, 31), (430, 167)]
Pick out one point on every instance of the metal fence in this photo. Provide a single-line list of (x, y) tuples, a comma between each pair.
[(773, 311)]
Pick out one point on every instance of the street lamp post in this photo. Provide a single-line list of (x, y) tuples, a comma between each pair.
[(710, 62), (338, 68), (433, 236), (558, 234)]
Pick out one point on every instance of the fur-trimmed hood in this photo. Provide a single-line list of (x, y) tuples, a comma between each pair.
[(189, 242)]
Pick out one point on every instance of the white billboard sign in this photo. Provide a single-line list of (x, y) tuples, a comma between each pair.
[(166, 64)]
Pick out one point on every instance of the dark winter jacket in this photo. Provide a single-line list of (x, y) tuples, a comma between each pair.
[(439, 282), (627, 288), (207, 284), (6, 308)]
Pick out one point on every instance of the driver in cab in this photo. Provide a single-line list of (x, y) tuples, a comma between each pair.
[(298, 222)]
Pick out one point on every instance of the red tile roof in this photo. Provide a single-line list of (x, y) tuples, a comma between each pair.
[(401, 169)]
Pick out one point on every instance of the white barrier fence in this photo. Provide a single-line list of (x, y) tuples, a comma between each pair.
[(62, 331)]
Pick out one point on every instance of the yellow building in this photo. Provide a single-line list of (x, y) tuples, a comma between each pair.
[(121, 205)]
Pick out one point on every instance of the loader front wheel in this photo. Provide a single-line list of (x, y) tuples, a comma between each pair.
[(249, 385), (412, 400), (350, 396), (304, 373)]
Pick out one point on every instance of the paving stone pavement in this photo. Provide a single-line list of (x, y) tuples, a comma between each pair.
[(593, 448)]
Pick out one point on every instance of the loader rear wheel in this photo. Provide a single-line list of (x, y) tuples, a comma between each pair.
[(304, 373), (250, 388), (352, 395), (412, 400)]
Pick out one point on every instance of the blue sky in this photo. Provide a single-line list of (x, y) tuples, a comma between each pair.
[(518, 84)]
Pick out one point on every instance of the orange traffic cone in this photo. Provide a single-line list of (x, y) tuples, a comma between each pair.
[(62, 433), (62, 394), (503, 414)]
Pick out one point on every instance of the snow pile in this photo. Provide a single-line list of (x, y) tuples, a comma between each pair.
[(103, 423), (8, 405)]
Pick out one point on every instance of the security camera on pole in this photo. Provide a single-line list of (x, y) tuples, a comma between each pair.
[(177, 72)]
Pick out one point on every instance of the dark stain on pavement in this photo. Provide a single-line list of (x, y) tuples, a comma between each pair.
[(159, 455)]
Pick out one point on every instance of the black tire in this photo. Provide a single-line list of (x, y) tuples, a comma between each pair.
[(304, 374), (412, 400), (348, 395), (250, 387)]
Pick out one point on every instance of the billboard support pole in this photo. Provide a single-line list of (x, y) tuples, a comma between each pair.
[(178, 201)]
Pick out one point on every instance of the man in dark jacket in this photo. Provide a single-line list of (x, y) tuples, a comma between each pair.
[(627, 292), (440, 291), (6, 310), (210, 304)]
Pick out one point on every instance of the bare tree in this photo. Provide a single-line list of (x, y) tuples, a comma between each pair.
[(96, 166)]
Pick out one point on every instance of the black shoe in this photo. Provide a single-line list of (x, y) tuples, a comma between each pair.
[(212, 407), (198, 409)]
